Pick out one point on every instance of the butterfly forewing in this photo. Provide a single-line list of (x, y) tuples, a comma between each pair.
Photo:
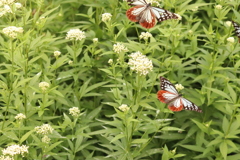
[(162, 14), (167, 86), (137, 2), (237, 29)]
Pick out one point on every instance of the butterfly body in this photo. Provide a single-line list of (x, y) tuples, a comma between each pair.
[(147, 15), (169, 94)]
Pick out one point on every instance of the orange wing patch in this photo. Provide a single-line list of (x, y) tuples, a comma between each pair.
[(175, 109), (149, 25), (131, 16)]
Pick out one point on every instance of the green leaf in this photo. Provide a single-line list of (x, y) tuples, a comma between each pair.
[(221, 93), (140, 140), (224, 149)]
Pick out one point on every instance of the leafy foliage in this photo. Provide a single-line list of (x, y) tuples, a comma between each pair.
[(96, 79)]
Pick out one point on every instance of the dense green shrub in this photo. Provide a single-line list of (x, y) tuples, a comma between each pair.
[(60, 97)]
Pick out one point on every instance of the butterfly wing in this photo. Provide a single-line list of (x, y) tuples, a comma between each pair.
[(168, 92), (141, 12), (137, 2), (162, 14), (237, 30)]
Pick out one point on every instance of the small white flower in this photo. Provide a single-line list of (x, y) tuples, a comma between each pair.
[(118, 48), (218, 7), (74, 111), (123, 107), (106, 17), (195, 9), (75, 34), (179, 87), (44, 129), (18, 5), (12, 31), (20, 116), (140, 63), (56, 53), (228, 23), (110, 61), (190, 31), (43, 86), (46, 139), (145, 35), (230, 39), (95, 40), (70, 62)]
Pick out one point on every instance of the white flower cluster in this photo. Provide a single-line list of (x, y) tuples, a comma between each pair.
[(6, 6), (118, 48), (2, 157), (15, 149), (230, 39), (95, 40), (20, 116), (46, 139), (145, 35), (123, 107), (140, 63), (43, 86), (218, 7), (106, 17), (75, 34), (44, 129), (74, 111), (56, 53), (179, 87), (12, 31)]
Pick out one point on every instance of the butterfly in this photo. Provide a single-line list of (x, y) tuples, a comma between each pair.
[(147, 15), (237, 29), (169, 94)]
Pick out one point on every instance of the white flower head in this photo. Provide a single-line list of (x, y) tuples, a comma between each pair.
[(18, 5), (6, 2), (70, 62), (56, 53), (74, 111), (110, 61), (194, 9), (179, 87), (218, 7), (140, 63), (106, 17), (43, 86), (228, 23), (12, 31), (15, 149), (230, 39), (44, 129), (95, 40), (75, 34), (123, 107), (118, 48), (20, 116), (2, 157), (145, 35), (46, 139)]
